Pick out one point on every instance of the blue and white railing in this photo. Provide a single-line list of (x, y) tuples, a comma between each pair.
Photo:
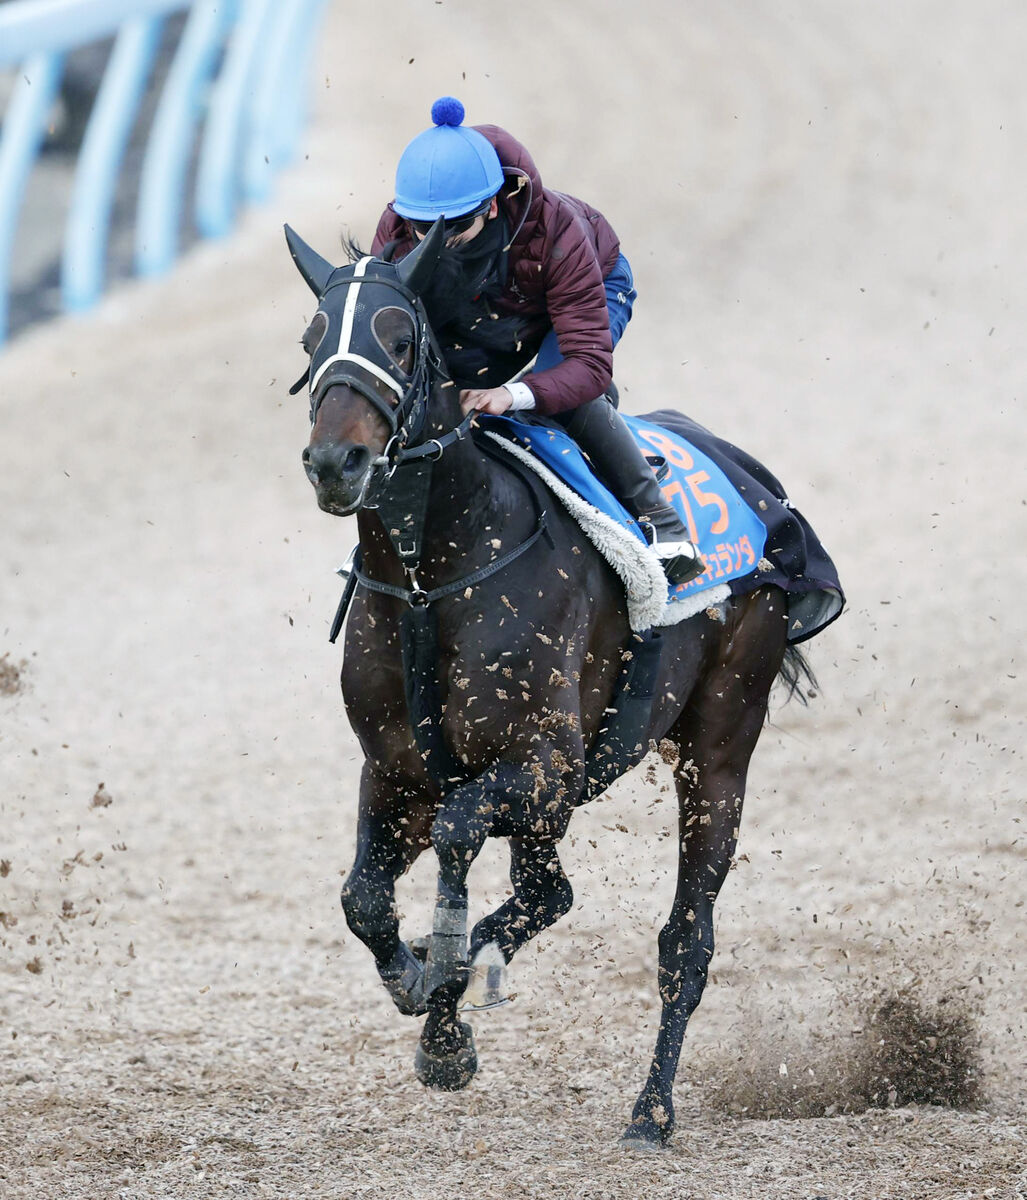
[(233, 100)]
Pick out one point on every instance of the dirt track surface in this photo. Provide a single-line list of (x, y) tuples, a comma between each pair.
[(824, 208)]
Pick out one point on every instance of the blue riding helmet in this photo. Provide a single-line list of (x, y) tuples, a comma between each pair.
[(448, 170)]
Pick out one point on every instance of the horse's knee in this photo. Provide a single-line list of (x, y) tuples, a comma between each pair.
[(540, 898), (549, 897), (352, 898), (455, 852), (369, 913), (561, 896)]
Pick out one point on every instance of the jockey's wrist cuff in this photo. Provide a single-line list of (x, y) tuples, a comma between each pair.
[(523, 396)]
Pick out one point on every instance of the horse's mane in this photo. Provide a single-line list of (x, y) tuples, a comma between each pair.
[(352, 249)]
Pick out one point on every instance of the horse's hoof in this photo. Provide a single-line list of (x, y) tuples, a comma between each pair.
[(447, 1072), (487, 984), (638, 1143), (646, 1134)]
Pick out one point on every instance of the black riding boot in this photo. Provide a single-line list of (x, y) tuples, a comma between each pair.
[(600, 431)]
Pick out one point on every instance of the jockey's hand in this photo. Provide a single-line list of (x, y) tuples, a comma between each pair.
[(488, 400)]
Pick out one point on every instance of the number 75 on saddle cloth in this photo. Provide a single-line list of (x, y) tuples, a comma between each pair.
[(729, 534)]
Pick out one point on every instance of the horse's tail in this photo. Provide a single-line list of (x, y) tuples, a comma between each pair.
[(797, 676)]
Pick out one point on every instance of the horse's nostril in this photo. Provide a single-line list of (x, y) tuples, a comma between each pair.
[(331, 464), (354, 460)]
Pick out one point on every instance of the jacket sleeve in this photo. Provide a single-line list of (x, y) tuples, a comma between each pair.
[(576, 303)]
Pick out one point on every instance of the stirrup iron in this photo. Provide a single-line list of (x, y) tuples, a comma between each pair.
[(679, 557)]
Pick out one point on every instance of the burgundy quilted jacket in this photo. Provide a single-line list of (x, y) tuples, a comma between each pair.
[(560, 252)]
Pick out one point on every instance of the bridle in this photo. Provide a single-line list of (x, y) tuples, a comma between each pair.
[(407, 417), (403, 499)]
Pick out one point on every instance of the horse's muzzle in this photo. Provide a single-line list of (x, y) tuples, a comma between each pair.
[(340, 473)]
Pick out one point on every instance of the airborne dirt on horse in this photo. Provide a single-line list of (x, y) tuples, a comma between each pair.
[(487, 644)]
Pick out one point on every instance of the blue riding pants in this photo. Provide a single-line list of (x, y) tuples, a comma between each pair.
[(620, 299)]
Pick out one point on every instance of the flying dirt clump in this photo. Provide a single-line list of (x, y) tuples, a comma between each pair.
[(913, 1053), (900, 1049), (12, 676), (101, 797)]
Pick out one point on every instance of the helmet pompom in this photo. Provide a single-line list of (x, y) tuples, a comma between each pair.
[(447, 170), (447, 110)]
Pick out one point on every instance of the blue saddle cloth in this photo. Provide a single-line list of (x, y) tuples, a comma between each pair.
[(735, 510)]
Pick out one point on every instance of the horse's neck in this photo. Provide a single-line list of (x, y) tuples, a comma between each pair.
[(461, 481), (467, 506)]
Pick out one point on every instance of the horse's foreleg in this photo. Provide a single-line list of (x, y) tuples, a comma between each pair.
[(458, 834), (542, 895), (445, 1056), (391, 833), (716, 734)]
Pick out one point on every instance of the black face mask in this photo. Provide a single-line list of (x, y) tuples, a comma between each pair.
[(480, 349), (483, 258)]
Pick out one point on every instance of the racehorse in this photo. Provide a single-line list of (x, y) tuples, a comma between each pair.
[(483, 648)]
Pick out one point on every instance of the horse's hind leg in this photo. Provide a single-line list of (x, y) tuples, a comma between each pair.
[(716, 735)]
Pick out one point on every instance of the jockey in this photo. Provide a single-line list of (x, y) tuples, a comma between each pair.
[(528, 273)]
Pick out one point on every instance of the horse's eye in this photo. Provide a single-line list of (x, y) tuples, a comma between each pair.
[(403, 346), (314, 333)]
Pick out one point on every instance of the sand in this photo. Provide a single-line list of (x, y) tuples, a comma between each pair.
[(823, 205)]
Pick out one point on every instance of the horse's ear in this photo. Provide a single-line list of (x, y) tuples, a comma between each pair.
[(416, 269), (314, 269)]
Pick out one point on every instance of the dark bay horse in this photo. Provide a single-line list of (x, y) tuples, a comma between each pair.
[(526, 639)]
